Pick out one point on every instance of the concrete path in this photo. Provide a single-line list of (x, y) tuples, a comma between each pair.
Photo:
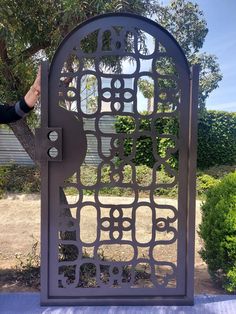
[(28, 303)]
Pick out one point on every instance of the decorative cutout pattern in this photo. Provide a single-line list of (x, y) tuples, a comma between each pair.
[(96, 77), (116, 224)]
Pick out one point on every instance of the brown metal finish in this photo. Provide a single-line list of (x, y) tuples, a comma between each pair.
[(95, 79), (194, 83)]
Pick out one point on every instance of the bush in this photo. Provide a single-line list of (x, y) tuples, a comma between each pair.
[(19, 179), (218, 231), (144, 144), (143, 177), (204, 183), (218, 172), (216, 139), (25, 179)]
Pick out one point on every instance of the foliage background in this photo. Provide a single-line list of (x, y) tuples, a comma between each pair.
[(218, 231), (216, 139)]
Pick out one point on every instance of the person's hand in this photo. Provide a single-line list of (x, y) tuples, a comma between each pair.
[(37, 83), (34, 92)]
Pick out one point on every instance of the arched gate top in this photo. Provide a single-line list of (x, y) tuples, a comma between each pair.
[(128, 20)]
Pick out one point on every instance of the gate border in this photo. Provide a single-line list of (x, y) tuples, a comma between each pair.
[(188, 298)]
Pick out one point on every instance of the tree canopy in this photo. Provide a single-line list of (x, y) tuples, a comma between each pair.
[(186, 22), (32, 30)]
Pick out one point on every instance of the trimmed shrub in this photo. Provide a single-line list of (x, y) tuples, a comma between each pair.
[(25, 179), (144, 144), (19, 179), (216, 139), (218, 231), (218, 172), (204, 183), (143, 177)]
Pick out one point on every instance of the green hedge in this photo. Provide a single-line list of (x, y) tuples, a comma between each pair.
[(19, 179), (25, 179), (218, 231), (144, 145), (216, 139)]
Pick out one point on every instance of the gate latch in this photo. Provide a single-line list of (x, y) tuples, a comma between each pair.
[(48, 144)]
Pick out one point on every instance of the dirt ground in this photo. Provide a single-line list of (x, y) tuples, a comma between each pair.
[(20, 228)]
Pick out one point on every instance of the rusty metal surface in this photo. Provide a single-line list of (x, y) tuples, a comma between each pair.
[(95, 75)]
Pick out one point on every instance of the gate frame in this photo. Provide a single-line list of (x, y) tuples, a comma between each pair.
[(43, 144)]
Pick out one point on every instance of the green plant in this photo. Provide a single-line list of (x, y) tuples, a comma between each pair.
[(25, 179), (143, 145), (218, 231), (218, 172), (231, 275), (19, 179), (28, 268), (204, 183), (32, 258), (216, 139)]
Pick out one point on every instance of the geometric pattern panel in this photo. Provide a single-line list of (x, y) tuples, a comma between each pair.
[(118, 68)]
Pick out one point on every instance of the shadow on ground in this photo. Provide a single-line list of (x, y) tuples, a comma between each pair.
[(28, 280)]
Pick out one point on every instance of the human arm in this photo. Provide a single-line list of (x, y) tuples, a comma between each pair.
[(10, 114)]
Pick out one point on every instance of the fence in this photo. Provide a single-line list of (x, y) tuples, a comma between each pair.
[(11, 150)]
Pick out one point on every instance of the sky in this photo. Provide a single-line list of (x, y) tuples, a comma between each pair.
[(221, 41)]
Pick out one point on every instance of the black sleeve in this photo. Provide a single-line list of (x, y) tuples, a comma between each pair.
[(10, 114)]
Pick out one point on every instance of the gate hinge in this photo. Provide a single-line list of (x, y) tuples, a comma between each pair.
[(48, 144)]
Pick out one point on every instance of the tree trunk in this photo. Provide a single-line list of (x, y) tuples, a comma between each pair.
[(150, 105), (25, 136)]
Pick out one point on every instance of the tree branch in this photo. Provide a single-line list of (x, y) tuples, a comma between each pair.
[(12, 80), (25, 136), (3, 51), (33, 50)]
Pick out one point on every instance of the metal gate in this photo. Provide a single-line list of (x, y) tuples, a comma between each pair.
[(135, 247)]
